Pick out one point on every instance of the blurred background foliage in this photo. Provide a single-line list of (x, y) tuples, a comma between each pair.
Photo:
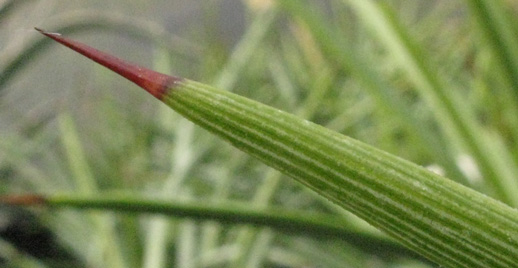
[(71, 126)]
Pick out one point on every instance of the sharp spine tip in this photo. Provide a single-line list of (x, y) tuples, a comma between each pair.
[(45, 32), (157, 84)]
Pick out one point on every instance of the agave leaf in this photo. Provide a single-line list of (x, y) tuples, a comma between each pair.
[(444, 221)]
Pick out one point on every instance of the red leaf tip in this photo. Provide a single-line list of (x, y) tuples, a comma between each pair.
[(154, 82)]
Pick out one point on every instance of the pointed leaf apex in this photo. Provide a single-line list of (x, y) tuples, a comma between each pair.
[(154, 82)]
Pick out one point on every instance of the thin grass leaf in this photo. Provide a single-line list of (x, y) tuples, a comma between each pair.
[(287, 221), (250, 41), (444, 221), (498, 62), (86, 184), (7, 7), (498, 27)]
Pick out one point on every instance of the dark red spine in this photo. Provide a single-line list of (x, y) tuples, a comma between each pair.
[(153, 82)]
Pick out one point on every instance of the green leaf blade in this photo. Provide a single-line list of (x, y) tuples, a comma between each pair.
[(444, 221)]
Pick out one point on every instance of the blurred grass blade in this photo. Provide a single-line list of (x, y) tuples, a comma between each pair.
[(499, 30), (446, 222), (81, 173), (245, 48), (453, 116), (8, 6), (289, 221), (86, 184)]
